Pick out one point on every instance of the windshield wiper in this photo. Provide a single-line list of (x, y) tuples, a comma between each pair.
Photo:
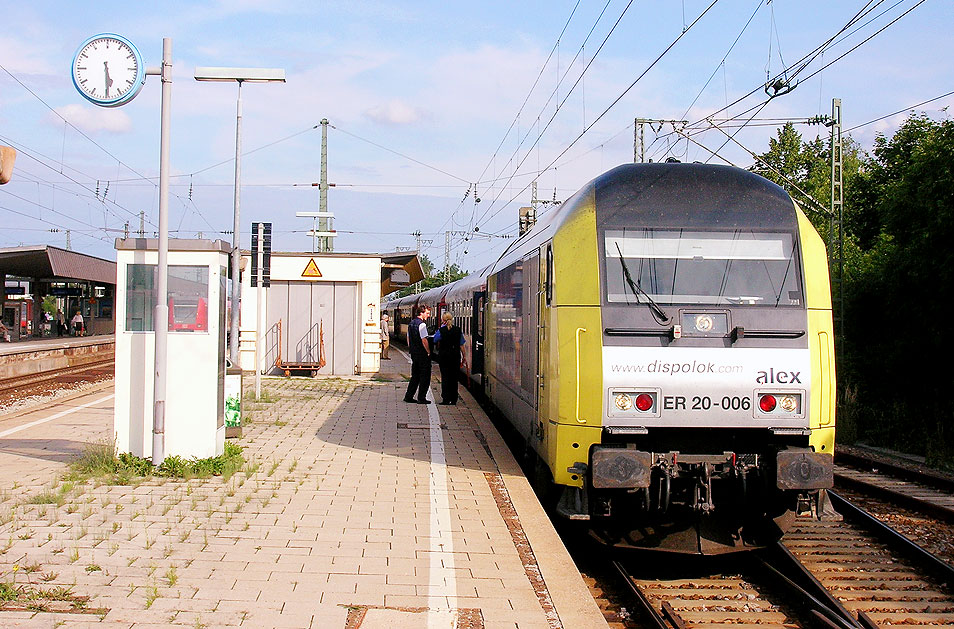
[(661, 317)]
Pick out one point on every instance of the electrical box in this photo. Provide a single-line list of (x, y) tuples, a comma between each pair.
[(196, 342)]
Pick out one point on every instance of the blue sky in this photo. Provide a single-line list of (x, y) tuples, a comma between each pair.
[(424, 100)]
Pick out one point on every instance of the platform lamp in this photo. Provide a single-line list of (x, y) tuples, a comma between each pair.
[(238, 75)]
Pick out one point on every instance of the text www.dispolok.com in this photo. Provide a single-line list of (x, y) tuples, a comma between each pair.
[(672, 369)]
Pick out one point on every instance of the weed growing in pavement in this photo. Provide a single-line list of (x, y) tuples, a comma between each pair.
[(171, 577), (100, 461), (38, 599), (48, 497), (152, 593)]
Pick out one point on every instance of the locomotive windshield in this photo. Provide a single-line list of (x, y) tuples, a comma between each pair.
[(729, 268)]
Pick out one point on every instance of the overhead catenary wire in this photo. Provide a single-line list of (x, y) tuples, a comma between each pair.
[(555, 113), (895, 113), (620, 96), (800, 65)]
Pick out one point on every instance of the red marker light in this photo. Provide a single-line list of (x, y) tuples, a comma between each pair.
[(644, 401), (767, 403)]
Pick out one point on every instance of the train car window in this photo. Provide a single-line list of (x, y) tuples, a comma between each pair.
[(741, 267)]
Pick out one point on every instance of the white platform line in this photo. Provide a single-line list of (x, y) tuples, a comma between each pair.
[(443, 578), (7, 433)]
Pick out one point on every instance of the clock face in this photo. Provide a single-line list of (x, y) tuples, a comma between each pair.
[(108, 71)]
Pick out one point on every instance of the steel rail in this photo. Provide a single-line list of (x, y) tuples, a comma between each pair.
[(780, 563), (922, 558), (922, 476), (648, 611), (897, 497)]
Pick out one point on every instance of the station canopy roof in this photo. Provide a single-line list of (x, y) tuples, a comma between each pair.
[(44, 262)]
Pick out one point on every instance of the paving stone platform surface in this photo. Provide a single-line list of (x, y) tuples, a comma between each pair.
[(354, 510)]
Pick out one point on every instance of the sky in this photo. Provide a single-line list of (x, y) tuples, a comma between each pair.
[(431, 106)]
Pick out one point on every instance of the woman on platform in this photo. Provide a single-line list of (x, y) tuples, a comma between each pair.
[(448, 340), (79, 328)]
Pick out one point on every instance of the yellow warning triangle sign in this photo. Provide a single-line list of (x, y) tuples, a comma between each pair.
[(311, 269)]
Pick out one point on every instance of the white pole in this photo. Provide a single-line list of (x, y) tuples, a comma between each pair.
[(236, 234), (260, 293), (161, 319)]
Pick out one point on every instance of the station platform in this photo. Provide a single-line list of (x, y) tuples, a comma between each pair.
[(355, 510), (54, 343)]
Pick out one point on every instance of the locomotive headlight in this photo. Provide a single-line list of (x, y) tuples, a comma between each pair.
[(632, 403), (623, 402), (704, 323), (788, 403)]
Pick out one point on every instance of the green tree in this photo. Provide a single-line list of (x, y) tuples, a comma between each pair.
[(895, 309), (804, 168), (49, 305)]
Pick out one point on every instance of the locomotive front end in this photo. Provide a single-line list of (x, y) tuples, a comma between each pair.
[(718, 421)]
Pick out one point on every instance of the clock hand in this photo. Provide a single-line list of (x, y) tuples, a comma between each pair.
[(109, 81)]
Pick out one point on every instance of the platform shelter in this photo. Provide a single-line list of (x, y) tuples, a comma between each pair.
[(78, 282)]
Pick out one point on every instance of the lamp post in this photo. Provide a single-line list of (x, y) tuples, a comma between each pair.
[(239, 75)]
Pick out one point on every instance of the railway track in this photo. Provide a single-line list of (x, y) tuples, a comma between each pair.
[(17, 382), (917, 489), (851, 574), (19, 388)]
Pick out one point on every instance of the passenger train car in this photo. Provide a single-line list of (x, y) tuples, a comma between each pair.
[(663, 342)]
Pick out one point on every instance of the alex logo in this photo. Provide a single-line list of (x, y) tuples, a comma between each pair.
[(779, 377)]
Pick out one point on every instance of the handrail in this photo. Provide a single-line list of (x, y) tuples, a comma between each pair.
[(578, 330)]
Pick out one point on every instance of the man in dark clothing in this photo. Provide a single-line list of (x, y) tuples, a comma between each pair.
[(420, 347), (448, 339)]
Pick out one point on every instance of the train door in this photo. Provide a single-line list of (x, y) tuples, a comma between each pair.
[(543, 293), (477, 333), (529, 349)]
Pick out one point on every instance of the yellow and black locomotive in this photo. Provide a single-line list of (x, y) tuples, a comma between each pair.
[(663, 342)]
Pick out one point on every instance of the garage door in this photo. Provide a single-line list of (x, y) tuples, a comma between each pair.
[(317, 323)]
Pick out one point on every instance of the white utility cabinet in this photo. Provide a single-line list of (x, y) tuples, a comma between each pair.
[(195, 374)]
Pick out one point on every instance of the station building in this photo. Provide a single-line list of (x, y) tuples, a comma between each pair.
[(67, 280), (320, 315)]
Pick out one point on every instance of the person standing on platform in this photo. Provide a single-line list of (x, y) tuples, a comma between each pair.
[(448, 340), (60, 322), (420, 347), (385, 336), (77, 323)]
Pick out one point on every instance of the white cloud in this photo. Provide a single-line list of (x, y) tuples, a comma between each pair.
[(395, 112), (95, 119), (24, 58)]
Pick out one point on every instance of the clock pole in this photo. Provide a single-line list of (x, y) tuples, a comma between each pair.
[(162, 301)]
